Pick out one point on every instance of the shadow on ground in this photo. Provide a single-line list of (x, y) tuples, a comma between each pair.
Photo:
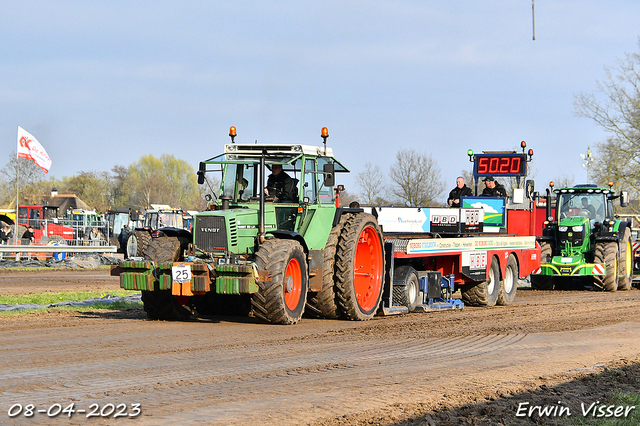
[(616, 384)]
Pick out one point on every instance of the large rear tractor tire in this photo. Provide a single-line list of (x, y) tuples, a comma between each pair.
[(163, 249), (509, 285), (359, 267), (281, 300), (486, 293), (144, 239), (406, 290), (625, 273), (543, 282), (161, 304), (323, 303), (607, 253)]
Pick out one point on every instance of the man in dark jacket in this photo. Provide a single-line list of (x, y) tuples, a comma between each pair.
[(461, 190), (493, 189), (280, 185)]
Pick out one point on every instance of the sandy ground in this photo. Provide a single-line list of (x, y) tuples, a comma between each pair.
[(476, 366)]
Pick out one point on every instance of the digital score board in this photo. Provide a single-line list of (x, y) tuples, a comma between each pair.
[(497, 165)]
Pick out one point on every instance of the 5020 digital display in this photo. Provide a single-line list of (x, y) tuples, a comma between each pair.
[(500, 165)]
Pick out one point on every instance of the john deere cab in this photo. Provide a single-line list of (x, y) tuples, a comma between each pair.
[(585, 240), (273, 236)]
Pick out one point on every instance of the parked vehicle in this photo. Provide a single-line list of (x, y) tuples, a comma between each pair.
[(586, 240)]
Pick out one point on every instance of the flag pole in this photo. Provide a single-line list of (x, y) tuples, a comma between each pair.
[(15, 224)]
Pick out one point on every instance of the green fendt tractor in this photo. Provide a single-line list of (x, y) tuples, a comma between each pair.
[(268, 247), (585, 240)]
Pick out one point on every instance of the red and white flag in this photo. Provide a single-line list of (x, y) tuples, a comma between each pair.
[(30, 148)]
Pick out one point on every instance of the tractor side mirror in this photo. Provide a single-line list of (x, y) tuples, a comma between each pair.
[(329, 175), (201, 171), (624, 199)]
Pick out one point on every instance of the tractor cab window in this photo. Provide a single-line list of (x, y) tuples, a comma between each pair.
[(592, 206), (240, 182), (310, 177), (325, 194)]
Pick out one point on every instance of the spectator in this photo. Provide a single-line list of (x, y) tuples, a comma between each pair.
[(28, 237), (95, 237), (461, 190), (493, 189), (354, 205)]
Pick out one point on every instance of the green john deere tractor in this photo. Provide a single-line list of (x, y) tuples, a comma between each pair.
[(586, 240), (270, 248)]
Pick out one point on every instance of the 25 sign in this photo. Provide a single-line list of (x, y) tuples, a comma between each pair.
[(500, 165)]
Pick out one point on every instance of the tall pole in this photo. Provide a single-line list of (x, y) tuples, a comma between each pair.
[(15, 224), (533, 17)]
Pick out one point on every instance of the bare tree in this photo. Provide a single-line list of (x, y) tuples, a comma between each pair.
[(615, 106), (371, 184), (416, 178), (26, 175)]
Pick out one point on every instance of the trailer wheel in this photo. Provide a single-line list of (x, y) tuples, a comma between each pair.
[(161, 304), (625, 274), (509, 285), (359, 267), (406, 290), (543, 282), (281, 300), (323, 303), (607, 253), (486, 293)]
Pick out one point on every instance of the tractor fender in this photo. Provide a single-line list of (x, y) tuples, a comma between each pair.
[(622, 227), (545, 238), (174, 232), (341, 210), (290, 235)]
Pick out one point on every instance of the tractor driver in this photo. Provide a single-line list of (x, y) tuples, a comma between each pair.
[(280, 185), (589, 208)]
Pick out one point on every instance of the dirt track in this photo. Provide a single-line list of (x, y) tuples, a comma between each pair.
[(413, 369)]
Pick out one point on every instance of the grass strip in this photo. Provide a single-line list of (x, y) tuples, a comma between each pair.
[(48, 298)]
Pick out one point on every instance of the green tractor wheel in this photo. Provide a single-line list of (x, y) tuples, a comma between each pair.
[(359, 267), (282, 299), (543, 282), (625, 274), (607, 253), (323, 303), (161, 304)]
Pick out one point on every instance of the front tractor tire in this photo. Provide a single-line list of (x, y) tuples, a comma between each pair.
[(607, 253), (625, 273), (359, 267), (281, 299), (161, 304), (543, 282), (487, 292)]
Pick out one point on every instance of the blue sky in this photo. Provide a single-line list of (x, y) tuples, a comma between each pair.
[(103, 83)]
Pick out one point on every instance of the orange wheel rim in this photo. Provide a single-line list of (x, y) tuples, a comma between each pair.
[(368, 265), (292, 284)]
